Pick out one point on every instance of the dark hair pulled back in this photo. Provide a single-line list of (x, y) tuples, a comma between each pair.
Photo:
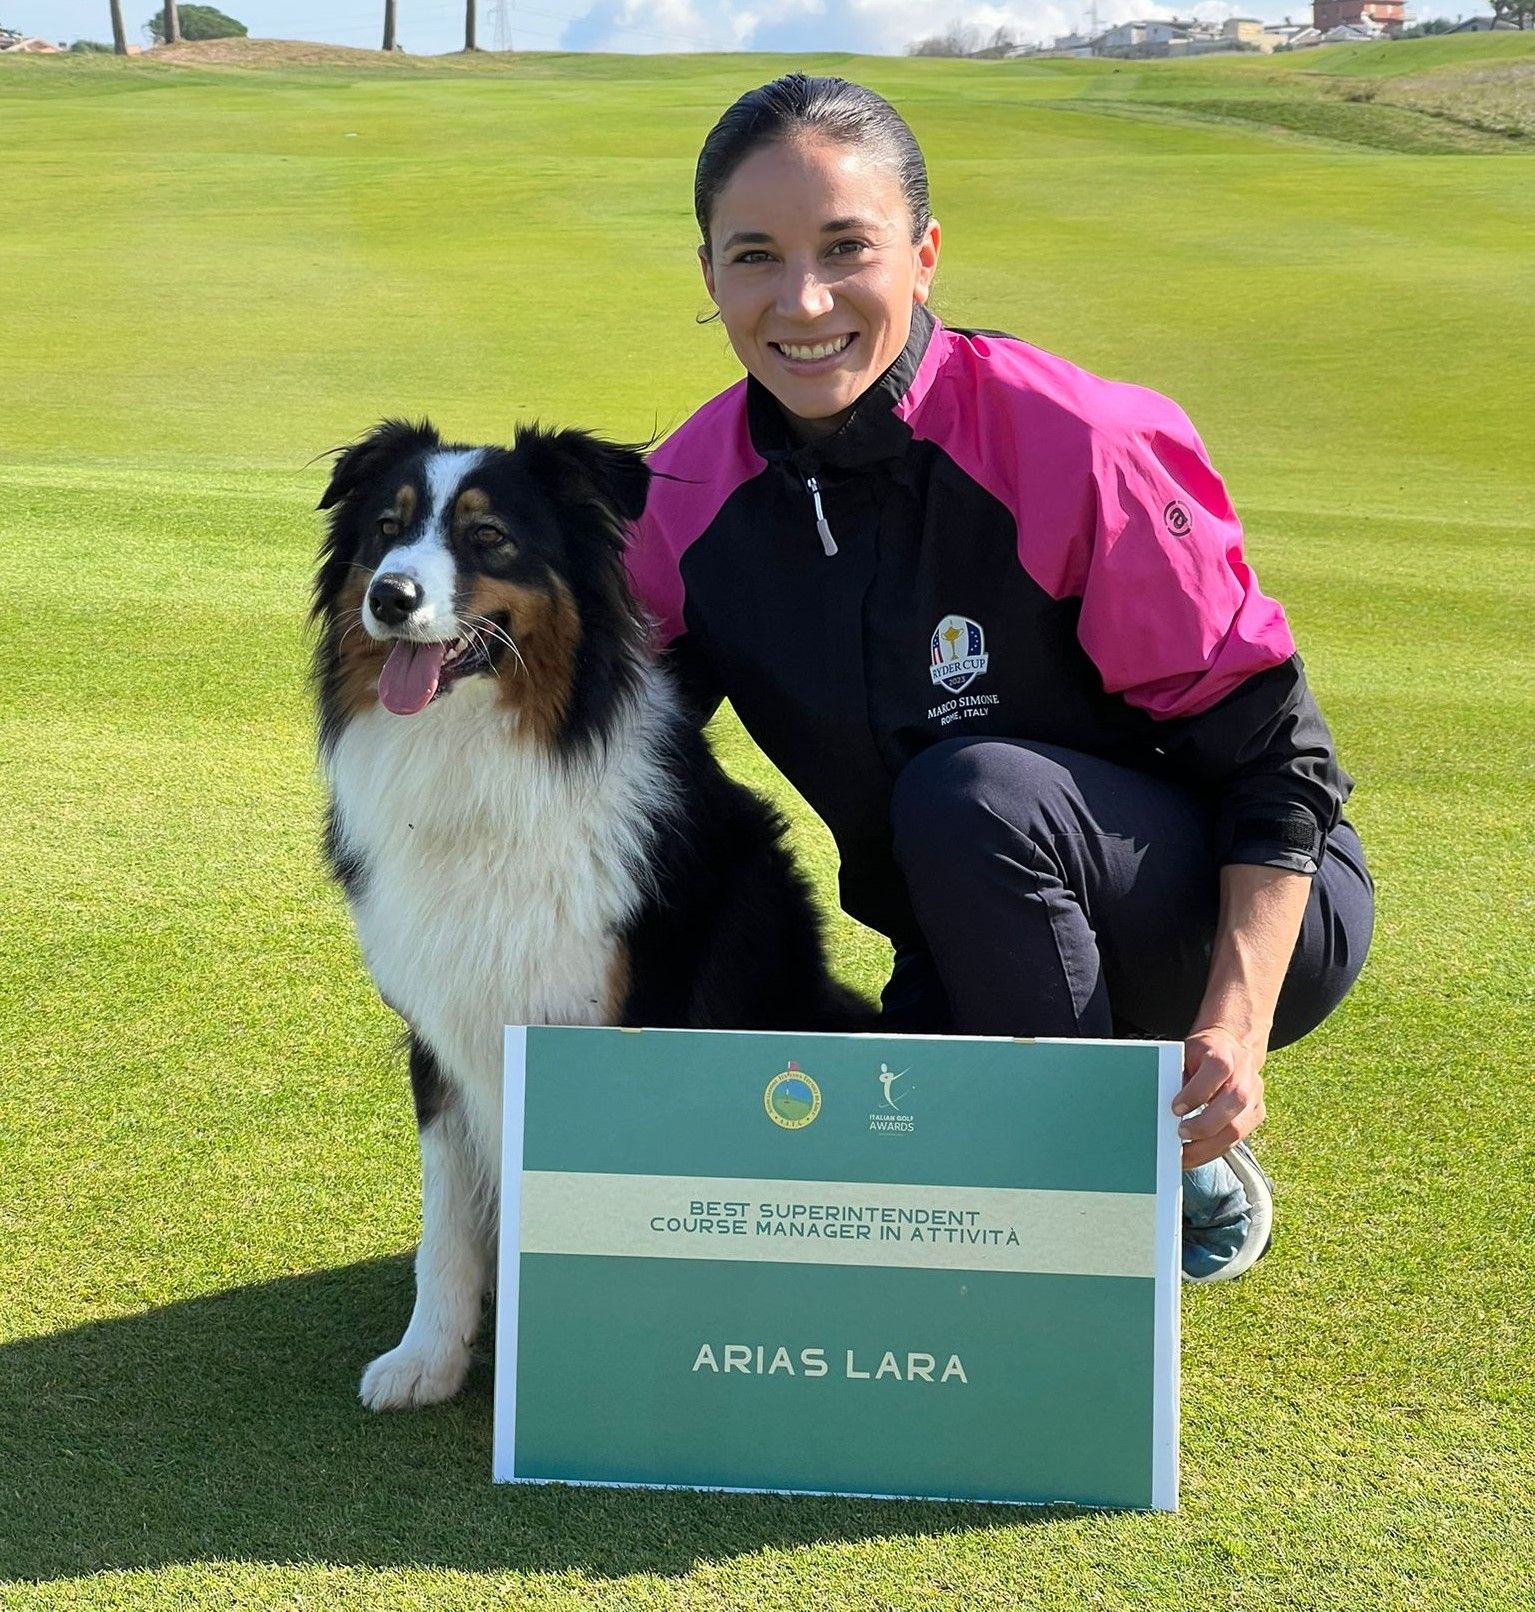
[(796, 105)]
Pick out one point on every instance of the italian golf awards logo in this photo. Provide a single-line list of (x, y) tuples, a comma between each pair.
[(792, 1099), (892, 1113), (958, 653)]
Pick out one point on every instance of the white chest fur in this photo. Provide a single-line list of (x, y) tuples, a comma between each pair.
[(495, 877)]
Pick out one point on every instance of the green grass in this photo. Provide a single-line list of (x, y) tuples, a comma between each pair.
[(207, 1182)]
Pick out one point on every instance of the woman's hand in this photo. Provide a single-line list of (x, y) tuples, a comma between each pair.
[(1222, 1074), (1260, 918)]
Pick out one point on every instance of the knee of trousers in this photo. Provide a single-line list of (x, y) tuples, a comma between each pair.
[(961, 802)]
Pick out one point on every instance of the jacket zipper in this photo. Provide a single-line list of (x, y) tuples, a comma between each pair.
[(828, 542)]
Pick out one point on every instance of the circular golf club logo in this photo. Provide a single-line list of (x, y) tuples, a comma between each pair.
[(792, 1099), (958, 653), (1177, 519)]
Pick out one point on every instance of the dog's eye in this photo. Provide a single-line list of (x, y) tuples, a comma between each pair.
[(389, 527), (488, 536)]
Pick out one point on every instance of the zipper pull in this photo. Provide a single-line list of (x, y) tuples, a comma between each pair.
[(828, 542)]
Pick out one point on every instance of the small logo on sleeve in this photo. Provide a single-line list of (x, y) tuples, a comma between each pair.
[(1176, 518), (958, 652)]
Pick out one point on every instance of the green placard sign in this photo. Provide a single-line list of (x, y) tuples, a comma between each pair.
[(941, 1267)]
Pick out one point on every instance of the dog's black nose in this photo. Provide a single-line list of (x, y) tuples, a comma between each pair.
[(394, 597)]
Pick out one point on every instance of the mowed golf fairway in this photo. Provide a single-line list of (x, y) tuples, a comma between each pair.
[(208, 277)]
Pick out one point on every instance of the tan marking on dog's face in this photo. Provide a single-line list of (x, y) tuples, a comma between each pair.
[(403, 509), (472, 501), (472, 510), (359, 657), (546, 628)]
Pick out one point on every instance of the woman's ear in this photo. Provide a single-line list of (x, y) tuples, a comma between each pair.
[(927, 261), (706, 263)]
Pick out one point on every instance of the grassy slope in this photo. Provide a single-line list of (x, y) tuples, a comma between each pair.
[(206, 1162)]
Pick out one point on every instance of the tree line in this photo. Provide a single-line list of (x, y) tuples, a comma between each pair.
[(964, 39)]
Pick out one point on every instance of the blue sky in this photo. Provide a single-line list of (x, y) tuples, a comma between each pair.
[(881, 27)]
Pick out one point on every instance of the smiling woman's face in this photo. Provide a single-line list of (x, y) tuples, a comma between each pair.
[(813, 269)]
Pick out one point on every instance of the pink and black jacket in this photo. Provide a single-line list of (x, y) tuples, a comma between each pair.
[(996, 543)]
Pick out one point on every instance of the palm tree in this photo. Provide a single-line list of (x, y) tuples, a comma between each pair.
[(172, 23), (119, 33), (388, 24), (469, 43)]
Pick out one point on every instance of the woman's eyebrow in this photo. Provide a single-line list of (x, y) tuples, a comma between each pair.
[(835, 226)]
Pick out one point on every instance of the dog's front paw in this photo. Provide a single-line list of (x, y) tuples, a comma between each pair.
[(408, 1376)]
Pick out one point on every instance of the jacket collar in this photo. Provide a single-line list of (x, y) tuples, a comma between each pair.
[(871, 433)]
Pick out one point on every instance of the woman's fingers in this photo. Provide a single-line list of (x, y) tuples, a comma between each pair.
[(1207, 1066), (1226, 1084), (1232, 1116)]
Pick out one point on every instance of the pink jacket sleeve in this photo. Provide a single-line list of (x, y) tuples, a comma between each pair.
[(1171, 613)]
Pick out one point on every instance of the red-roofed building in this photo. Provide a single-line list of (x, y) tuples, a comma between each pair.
[(1386, 14)]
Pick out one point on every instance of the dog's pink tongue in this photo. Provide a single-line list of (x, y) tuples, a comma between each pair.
[(409, 678)]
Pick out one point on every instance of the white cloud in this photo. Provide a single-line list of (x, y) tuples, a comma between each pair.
[(649, 26)]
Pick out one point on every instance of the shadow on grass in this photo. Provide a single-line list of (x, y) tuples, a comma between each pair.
[(229, 1427)]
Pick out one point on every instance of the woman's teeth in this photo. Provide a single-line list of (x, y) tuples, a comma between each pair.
[(824, 349)]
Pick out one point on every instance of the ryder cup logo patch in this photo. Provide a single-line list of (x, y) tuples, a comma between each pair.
[(958, 652)]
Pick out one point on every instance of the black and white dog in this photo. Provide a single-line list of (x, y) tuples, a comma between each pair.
[(527, 828)]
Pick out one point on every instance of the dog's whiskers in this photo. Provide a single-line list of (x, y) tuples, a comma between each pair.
[(499, 633), (480, 649), (353, 628), (487, 625)]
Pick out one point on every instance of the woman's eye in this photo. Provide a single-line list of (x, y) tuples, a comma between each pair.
[(389, 527), (848, 248), (755, 256)]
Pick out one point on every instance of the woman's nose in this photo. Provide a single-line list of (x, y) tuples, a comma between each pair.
[(804, 295)]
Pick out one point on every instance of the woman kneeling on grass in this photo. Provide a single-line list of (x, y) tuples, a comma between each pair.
[(989, 614)]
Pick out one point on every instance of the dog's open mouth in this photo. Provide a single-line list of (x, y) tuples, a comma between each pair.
[(415, 674)]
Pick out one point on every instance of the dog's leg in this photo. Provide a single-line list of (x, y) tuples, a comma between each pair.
[(452, 1264)]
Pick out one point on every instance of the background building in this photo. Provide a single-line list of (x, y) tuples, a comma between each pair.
[(1386, 14)]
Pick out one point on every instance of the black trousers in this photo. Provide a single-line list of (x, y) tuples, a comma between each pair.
[(1062, 895)]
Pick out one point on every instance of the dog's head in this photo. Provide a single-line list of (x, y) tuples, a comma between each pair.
[(445, 563)]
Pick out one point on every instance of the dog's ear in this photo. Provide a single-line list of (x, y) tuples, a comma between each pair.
[(576, 467), (362, 461)]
